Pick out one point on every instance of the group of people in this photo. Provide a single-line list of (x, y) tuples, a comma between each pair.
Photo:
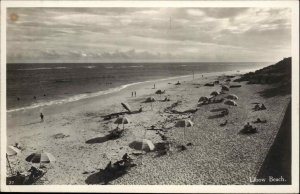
[(262, 107), (23, 179), (249, 129), (133, 94)]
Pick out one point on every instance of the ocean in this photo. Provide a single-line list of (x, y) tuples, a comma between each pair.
[(34, 85)]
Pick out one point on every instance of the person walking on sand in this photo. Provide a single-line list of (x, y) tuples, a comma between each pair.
[(131, 94), (134, 93), (42, 117)]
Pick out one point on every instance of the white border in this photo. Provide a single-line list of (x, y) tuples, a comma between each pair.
[(294, 188)]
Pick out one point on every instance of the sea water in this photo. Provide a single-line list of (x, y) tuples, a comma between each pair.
[(34, 85)]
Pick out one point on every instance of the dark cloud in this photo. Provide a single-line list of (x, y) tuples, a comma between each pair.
[(223, 12)]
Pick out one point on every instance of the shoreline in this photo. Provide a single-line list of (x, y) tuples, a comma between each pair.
[(84, 96)]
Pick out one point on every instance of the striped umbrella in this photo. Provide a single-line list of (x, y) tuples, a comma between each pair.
[(122, 120), (43, 157)]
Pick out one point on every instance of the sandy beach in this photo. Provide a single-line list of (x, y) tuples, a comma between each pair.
[(72, 133)]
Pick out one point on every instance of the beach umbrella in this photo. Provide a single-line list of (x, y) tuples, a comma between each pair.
[(225, 88), (122, 120), (214, 93), (232, 97), (160, 92), (202, 98), (147, 144), (184, 123), (42, 157), (126, 106), (11, 150), (230, 102), (150, 99)]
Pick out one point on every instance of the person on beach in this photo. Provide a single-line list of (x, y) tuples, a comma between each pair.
[(42, 117), (134, 93), (154, 86), (141, 108), (131, 94), (34, 97)]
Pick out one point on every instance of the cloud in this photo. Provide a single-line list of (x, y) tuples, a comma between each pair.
[(150, 34), (223, 12)]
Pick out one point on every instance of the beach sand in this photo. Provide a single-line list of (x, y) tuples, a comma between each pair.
[(218, 155)]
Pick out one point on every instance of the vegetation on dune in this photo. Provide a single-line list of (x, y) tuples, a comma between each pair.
[(278, 74)]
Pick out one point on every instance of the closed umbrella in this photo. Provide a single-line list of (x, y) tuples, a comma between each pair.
[(122, 120), (126, 106), (184, 123)]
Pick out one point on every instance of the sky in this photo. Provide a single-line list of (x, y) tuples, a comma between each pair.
[(37, 35)]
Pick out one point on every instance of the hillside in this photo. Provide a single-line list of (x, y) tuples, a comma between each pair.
[(278, 74)]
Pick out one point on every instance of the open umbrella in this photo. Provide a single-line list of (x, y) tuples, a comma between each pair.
[(122, 120), (43, 157), (202, 98), (160, 92), (11, 151), (184, 123), (225, 88), (214, 93), (126, 106), (232, 97), (150, 99), (230, 102)]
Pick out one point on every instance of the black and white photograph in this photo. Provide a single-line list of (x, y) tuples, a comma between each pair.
[(189, 93)]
